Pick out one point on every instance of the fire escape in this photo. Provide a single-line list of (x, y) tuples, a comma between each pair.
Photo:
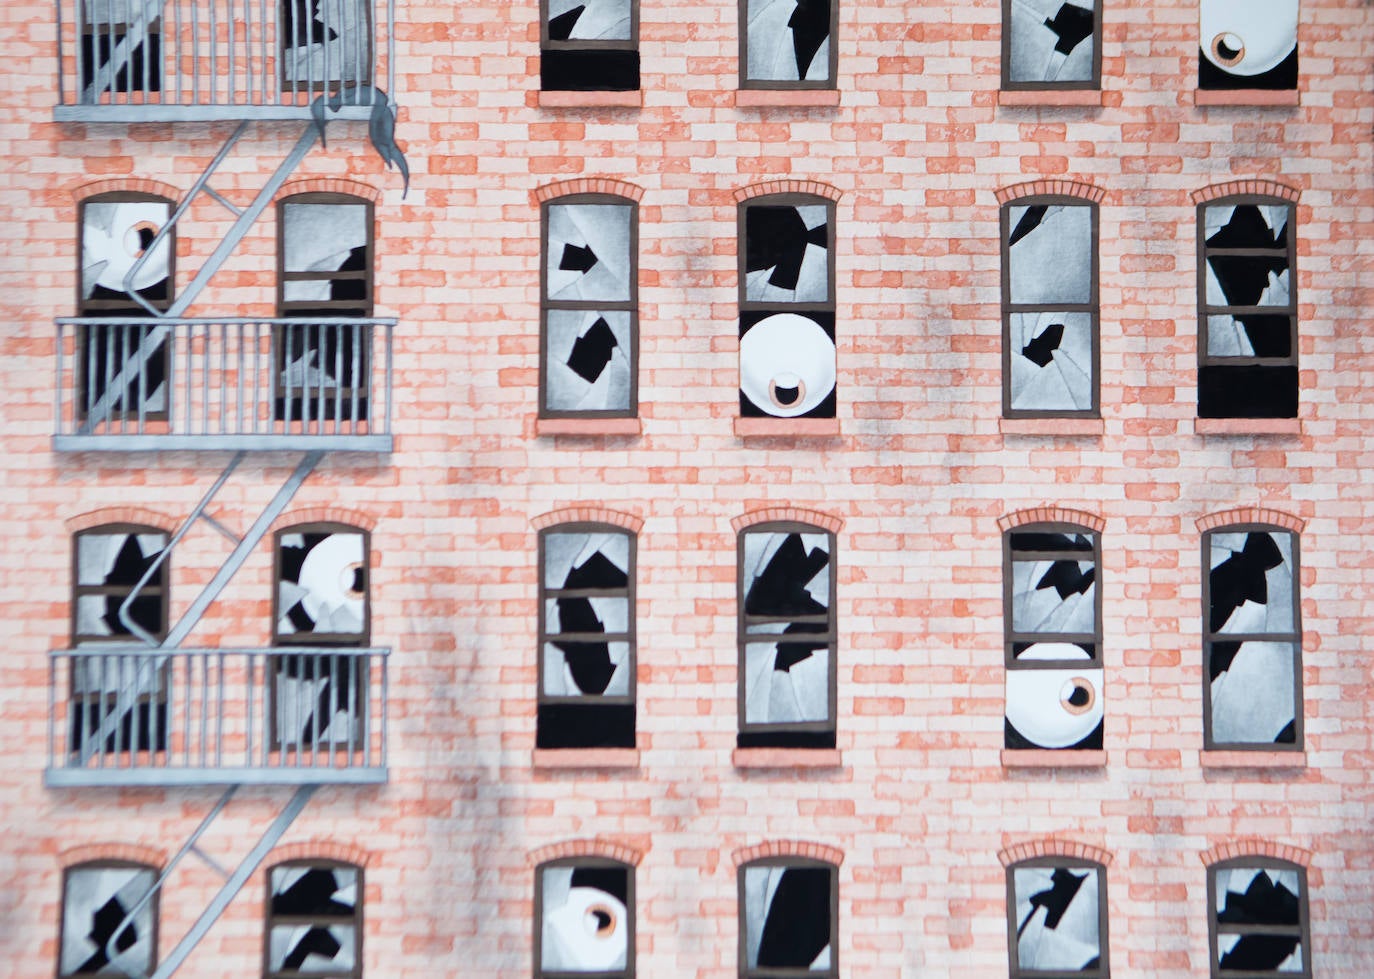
[(149, 711)]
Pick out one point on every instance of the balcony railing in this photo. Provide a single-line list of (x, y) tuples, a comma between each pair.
[(170, 60), (131, 384), (128, 715)]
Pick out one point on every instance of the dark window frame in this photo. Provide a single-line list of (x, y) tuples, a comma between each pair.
[(594, 862), (546, 305), (789, 862), (630, 636), (1093, 84), (1216, 928), (270, 921), (743, 639), (1012, 638), (548, 44), (106, 865), (285, 307), (1016, 971), (342, 640), (784, 200), (79, 590), (830, 83), (1208, 638), (1093, 307), (1204, 309)]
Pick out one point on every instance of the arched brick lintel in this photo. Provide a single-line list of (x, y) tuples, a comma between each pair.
[(791, 514), (603, 848), (130, 852), (1252, 514), (589, 185), (1054, 847), (318, 850), (1052, 514), (328, 185), (127, 185), (1233, 188), (123, 514), (588, 514), (1051, 188), (1251, 847), (813, 187), (788, 848), (324, 514)]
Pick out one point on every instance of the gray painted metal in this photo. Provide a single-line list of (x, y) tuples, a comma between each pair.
[(220, 443), (73, 778), (201, 113)]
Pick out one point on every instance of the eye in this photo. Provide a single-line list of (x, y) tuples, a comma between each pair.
[(353, 581), (600, 921), (1228, 49), (1077, 696), (139, 237), (787, 389)]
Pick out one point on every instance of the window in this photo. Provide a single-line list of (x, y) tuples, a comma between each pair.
[(324, 254), (109, 920), (586, 637), (321, 600), (787, 307), (314, 920), (788, 43), (1057, 924), (1247, 308), (590, 308), (123, 368), (325, 42), (1257, 913), (789, 911), (1248, 45), (121, 50), (1252, 638), (786, 589), (1049, 308), (1053, 637), (589, 45), (584, 918), (119, 702), (1051, 44)]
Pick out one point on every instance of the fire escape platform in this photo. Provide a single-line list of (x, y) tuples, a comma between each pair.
[(153, 112), (66, 778), (377, 444)]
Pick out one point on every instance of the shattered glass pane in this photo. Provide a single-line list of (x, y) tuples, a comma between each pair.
[(1252, 685), (587, 669), (1051, 361), (322, 945), (786, 253), (118, 561), (787, 682), (586, 919), (1250, 335), (1052, 41), (786, 574), (788, 40), (589, 20), (96, 904), (1258, 279), (1050, 250), (588, 252), (1057, 918), (787, 917), (1053, 596), (326, 40), (1251, 583), (324, 238), (587, 360), (1264, 897), (318, 699), (596, 560), (322, 588), (586, 615)]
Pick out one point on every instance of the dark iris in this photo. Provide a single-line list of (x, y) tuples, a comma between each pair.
[(787, 396), (357, 586), (1079, 697), (1228, 52), (145, 238)]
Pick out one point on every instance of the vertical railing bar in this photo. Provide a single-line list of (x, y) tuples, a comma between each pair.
[(195, 52), (119, 721), (87, 717), (175, 49), (222, 358), (52, 679), (367, 728), (204, 378), (273, 333), (386, 701), (318, 677), (93, 335), (187, 725), (279, 662), (355, 336), (238, 380), (299, 732), (76, 50), (214, 53), (316, 394), (106, 339), (332, 736), (135, 726), (59, 417), (219, 711), (390, 396), (188, 337), (152, 714), (327, 77), (142, 381), (351, 749), (263, 52), (249, 688), (204, 705), (391, 48), (289, 332), (338, 377)]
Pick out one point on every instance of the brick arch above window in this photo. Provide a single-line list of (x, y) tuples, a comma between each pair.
[(1233, 188), (126, 185), (98, 852), (319, 850), (1052, 188), (1054, 846), (139, 516), (328, 185), (789, 514), (1254, 847), (788, 848), (588, 185), (588, 514), (769, 188), (1051, 514), (1251, 515), (324, 514), (599, 847)]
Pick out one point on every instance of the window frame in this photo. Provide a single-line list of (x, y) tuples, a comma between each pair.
[(743, 640), (285, 307), (341, 640), (107, 864), (1215, 928), (777, 972), (1093, 84), (591, 861), (1209, 742), (543, 637), (831, 83), (163, 589), (1093, 308), (547, 305), (270, 920), (1205, 309), (310, 86), (1015, 969), (547, 44)]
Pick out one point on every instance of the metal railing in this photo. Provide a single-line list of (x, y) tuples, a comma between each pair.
[(133, 60), (131, 384), (126, 715)]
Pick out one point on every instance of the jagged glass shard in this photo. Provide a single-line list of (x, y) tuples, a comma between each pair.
[(588, 252), (1050, 250), (1057, 916), (587, 360), (788, 40), (1251, 583), (1051, 361), (787, 917), (786, 253), (96, 905), (1052, 41)]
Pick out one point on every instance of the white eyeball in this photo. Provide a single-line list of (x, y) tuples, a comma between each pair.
[(786, 365), (1248, 37), (586, 934), (330, 576), (115, 236), (1054, 708)]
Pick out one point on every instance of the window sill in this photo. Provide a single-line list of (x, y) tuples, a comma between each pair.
[(754, 758), (1051, 97), (587, 426), (787, 427), (1047, 758), (1246, 96), (565, 758), (757, 98), (1051, 426), (1247, 426), (1252, 759), (591, 100)]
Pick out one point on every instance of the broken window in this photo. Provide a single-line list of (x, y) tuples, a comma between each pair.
[(788, 43), (314, 920), (122, 367), (1259, 919), (584, 918), (324, 43), (589, 46), (1247, 308), (1051, 44), (1050, 308), (790, 912), (121, 47), (1053, 637), (786, 637), (1252, 638), (787, 308), (119, 701), (590, 311), (109, 920), (321, 599), (1248, 45), (1058, 920), (586, 637), (325, 275)]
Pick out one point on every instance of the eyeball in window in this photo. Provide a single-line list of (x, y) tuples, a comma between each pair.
[(1248, 37), (115, 236), (787, 365), (587, 933), (1054, 708)]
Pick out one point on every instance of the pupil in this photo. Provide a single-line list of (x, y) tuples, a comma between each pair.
[(1226, 51), (357, 585), (145, 238), (787, 396), (1079, 697), (603, 920)]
